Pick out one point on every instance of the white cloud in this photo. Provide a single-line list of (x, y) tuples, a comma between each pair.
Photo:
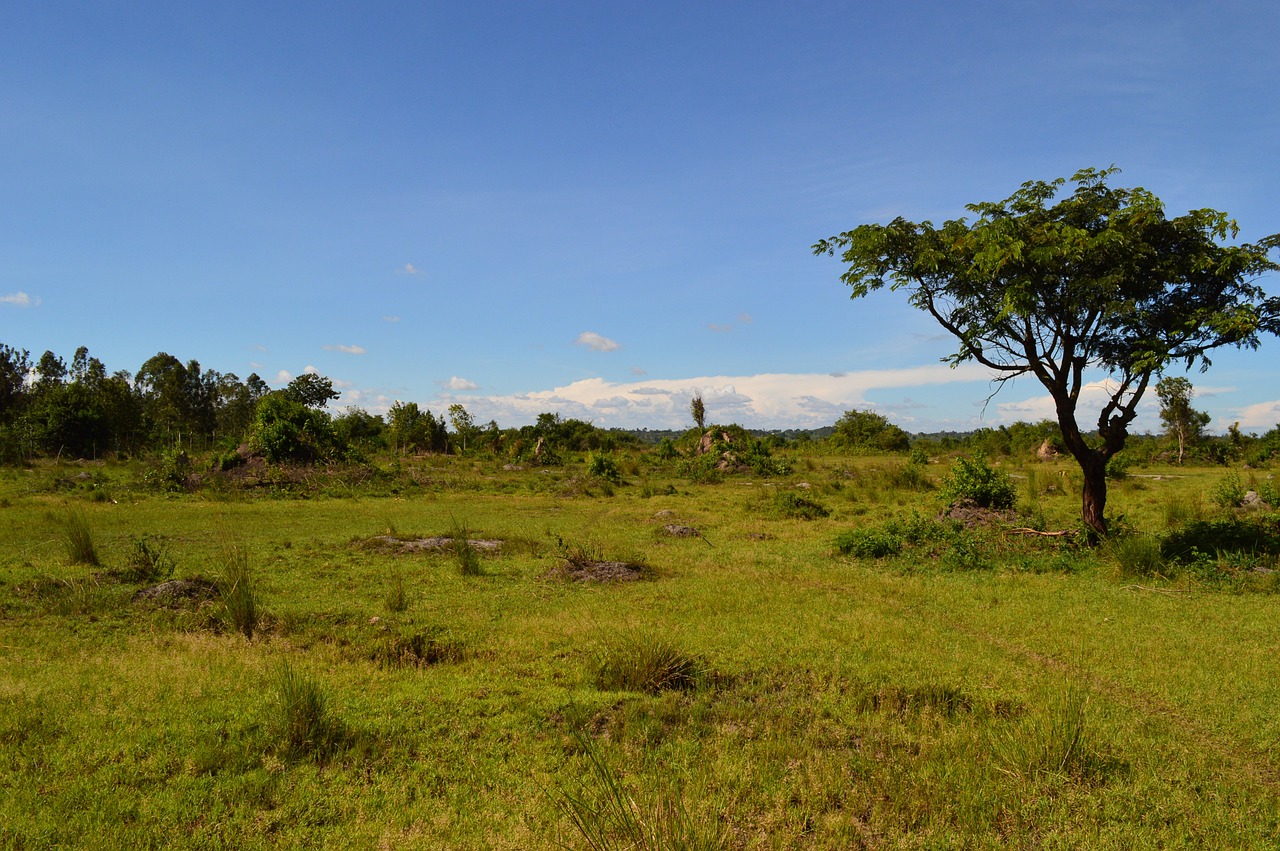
[(409, 269), (1263, 415), (456, 383), (774, 400), (19, 299), (310, 370), (718, 328), (596, 342), (351, 350), (391, 319), (284, 377)]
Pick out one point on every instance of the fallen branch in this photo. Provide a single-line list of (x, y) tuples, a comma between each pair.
[(1061, 533), (1173, 592)]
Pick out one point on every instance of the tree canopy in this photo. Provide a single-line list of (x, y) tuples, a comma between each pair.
[(1065, 287)]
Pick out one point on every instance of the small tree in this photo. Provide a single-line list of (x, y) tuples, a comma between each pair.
[(866, 430), (1183, 423), (1056, 288), (698, 411), (314, 391), (464, 425)]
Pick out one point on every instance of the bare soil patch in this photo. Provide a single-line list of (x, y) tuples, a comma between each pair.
[(435, 544)]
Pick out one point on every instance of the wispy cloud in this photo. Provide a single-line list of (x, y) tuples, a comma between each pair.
[(456, 383), (718, 328), (409, 269), (596, 342), (391, 319), (351, 350), (19, 299)]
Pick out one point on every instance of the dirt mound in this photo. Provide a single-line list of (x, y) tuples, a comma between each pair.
[(677, 531), (974, 516), (439, 543), (178, 592), (600, 571)]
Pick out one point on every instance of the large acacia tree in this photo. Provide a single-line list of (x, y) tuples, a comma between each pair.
[(1071, 287)]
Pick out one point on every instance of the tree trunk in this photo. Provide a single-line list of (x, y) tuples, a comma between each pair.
[(1094, 495)]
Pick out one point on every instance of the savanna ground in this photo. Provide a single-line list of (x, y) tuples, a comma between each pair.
[(772, 681)]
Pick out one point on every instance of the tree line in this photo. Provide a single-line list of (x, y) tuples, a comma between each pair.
[(50, 409)]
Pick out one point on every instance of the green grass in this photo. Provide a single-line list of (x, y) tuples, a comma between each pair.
[(1031, 693)]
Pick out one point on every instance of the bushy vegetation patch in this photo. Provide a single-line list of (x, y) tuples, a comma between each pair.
[(874, 542), (796, 506), (973, 479)]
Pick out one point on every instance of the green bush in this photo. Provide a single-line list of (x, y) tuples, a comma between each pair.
[(1229, 492), (601, 466), (876, 542), (972, 478), (793, 505)]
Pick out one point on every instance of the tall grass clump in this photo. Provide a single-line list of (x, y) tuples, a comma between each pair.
[(646, 662), (465, 555), (1138, 556), (609, 818), (396, 599), (78, 538), (1057, 741), (303, 723), (239, 598)]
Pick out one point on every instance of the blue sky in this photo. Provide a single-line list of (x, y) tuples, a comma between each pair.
[(595, 209)]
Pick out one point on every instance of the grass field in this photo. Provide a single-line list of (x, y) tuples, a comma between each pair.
[(752, 687)]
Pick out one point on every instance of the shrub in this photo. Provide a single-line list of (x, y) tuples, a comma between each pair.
[(78, 538), (149, 561), (601, 466), (790, 504), (1230, 492), (869, 543), (972, 478)]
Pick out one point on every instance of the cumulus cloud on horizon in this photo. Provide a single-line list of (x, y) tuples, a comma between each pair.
[(456, 383), (771, 400), (597, 342)]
